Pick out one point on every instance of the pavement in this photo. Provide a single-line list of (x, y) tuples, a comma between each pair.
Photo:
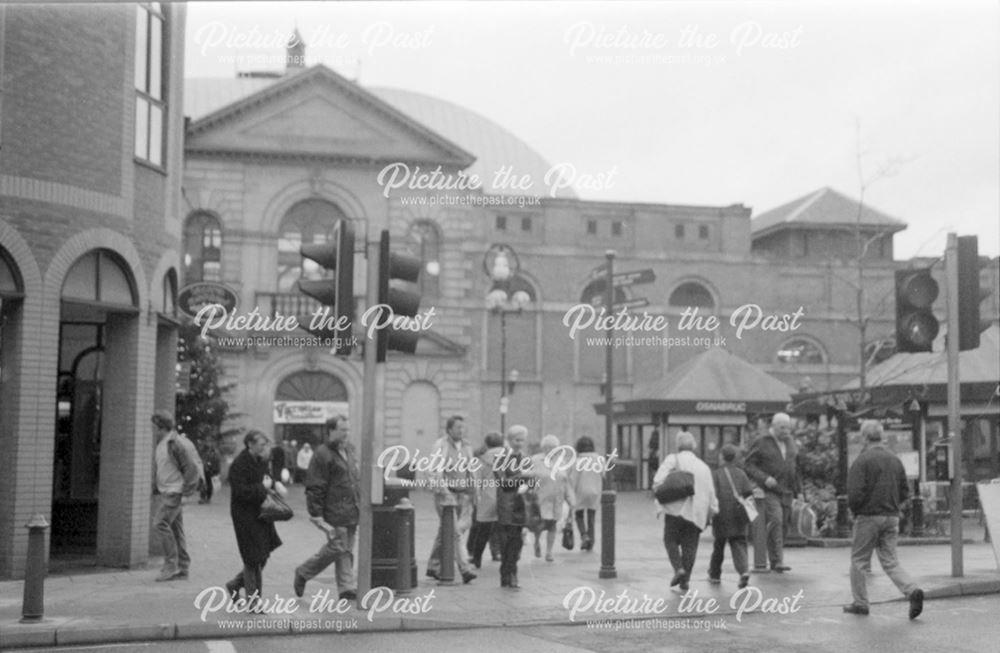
[(89, 605)]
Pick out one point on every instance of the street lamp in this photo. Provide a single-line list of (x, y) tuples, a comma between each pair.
[(501, 266)]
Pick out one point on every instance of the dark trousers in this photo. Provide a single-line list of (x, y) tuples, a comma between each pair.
[(250, 580), (480, 534), (585, 524), (208, 489), (510, 550), (738, 547), (680, 537)]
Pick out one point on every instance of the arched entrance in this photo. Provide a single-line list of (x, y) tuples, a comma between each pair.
[(302, 404), (97, 317)]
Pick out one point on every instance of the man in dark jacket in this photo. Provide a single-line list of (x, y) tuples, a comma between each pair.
[(876, 490), (333, 499), (771, 464)]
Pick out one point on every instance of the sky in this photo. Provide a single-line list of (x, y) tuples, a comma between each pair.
[(710, 103)]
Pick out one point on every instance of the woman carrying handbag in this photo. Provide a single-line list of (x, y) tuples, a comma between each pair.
[(249, 485)]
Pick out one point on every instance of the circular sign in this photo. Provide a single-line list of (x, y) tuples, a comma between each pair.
[(196, 296)]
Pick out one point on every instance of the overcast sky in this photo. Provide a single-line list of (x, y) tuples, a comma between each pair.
[(688, 103)]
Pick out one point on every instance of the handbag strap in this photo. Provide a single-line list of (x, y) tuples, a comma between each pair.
[(731, 484)]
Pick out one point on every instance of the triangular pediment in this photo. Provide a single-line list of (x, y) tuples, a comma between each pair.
[(320, 114)]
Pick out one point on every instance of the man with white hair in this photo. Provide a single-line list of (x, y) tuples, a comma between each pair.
[(876, 491), (771, 463)]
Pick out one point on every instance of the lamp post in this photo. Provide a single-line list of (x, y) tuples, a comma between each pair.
[(501, 265)]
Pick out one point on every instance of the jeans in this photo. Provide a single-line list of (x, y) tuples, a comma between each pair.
[(878, 533), (737, 546), (169, 523), (680, 537), (775, 518), (463, 506), (338, 549), (510, 550)]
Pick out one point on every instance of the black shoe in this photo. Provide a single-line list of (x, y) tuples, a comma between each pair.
[(677, 579), (433, 574), (854, 608), (468, 577), (744, 580), (477, 563), (684, 585), (916, 603), (233, 590), (299, 585), (349, 595), (504, 580), (780, 568)]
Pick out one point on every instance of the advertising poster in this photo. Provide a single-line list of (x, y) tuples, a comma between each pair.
[(487, 325)]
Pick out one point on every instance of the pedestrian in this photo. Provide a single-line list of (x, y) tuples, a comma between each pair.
[(333, 500), (210, 459), (730, 525), (452, 483), (586, 485), (772, 464), (513, 473), (302, 461), (685, 519), (876, 491), (277, 464), (177, 474), (653, 462), (553, 492), (484, 530), (249, 483)]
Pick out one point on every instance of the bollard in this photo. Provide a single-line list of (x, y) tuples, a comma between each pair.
[(917, 527), (608, 535), (843, 518), (33, 606), (404, 545), (447, 574), (758, 531)]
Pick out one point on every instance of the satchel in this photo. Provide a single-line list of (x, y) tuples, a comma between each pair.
[(567, 537), (274, 508), (676, 486), (749, 505)]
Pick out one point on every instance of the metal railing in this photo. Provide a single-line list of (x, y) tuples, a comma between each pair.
[(286, 303)]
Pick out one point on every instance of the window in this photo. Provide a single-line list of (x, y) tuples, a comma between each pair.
[(308, 222), (800, 351), (691, 293), (591, 227), (616, 228), (678, 231), (526, 223), (101, 277), (202, 248), (169, 294), (501, 223), (703, 231), (150, 100)]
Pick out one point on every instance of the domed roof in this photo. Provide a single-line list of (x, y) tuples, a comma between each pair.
[(494, 147)]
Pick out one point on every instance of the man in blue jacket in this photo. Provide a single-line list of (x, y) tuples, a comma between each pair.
[(876, 491), (333, 500)]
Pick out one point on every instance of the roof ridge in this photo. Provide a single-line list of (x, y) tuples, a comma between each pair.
[(791, 217)]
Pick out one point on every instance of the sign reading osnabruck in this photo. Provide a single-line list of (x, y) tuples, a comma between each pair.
[(196, 296)]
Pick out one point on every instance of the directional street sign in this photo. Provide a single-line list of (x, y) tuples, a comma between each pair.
[(638, 302), (632, 278)]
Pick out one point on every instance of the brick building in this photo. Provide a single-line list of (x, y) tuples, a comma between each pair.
[(90, 159)]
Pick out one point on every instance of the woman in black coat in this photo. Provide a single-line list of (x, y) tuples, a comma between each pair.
[(255, 538)]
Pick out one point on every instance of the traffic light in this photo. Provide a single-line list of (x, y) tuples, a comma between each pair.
[(916, 326), (338, 293), (401, 302), (970, 325)]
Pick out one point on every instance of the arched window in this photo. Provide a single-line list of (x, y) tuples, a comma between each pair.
[(169, 306), (425, 244), (801, 351), (202, 248), (308, 222), (10, 280), (100, 276), (691, 293)]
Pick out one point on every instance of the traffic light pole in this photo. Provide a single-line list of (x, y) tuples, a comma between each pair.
[(369, 493), (608, 495), (954, 404)]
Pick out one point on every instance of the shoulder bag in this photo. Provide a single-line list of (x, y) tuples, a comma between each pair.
[(749, 507), (676, 486)]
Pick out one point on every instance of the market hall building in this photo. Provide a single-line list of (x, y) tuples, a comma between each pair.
[(91, 133), (273, 160)]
